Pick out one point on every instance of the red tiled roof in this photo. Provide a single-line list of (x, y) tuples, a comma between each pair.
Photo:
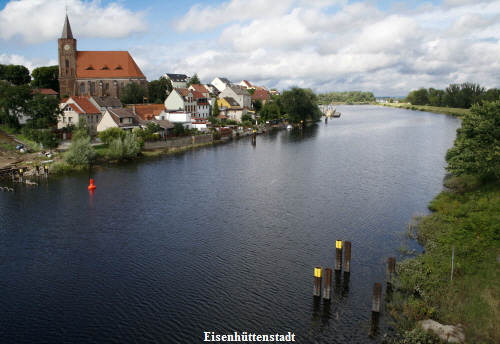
[(260, 94), (47, 91), (199, 88), (106, 64), (86, 105)]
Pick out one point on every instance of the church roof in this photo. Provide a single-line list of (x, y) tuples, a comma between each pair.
[(106, 64)]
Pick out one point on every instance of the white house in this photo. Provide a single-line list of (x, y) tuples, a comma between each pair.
[(78, 107), (176, 117), (203, 109), (181, 99), (221, 83), (177, 80)]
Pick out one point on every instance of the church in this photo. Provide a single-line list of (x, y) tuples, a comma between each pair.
[(94, 73)]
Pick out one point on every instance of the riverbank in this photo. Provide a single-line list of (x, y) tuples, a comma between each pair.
[(457, 112), (456, 280)]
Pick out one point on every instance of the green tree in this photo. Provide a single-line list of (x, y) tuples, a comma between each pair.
[(491, 95), (215, 109), (46, 77), (13, 101), (132, 94), (270, 111), (418, 97), (43, 111), (194, 80), (158, 90), (476, 150), (435, 97), (451, 96), (246, 117), (300, 105), (109, 135), (126, 148), (257, 105), (17, 74), (214, 120), (470, 93)]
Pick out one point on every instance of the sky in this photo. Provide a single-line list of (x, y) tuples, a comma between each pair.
[(386, 47)]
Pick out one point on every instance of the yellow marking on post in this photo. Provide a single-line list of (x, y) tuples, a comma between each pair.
[(317, 271), (338, 244)]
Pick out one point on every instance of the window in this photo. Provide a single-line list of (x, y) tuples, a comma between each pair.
[(70, 119), (92, 87), (82, 88), (64, 119)]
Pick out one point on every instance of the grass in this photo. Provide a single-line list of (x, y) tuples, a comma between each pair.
[(435, 109), (466, 221)]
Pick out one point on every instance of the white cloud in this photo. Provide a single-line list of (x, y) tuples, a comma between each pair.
[(36, 21), (200, 18), (31, 64)]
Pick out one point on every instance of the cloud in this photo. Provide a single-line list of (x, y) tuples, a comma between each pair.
[(89, 19), (207, 17), (31, 64)]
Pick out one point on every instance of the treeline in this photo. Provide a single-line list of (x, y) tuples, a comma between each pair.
[(455, 96), (345, 97)]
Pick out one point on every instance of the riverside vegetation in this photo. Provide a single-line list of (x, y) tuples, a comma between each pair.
[(465, 227)]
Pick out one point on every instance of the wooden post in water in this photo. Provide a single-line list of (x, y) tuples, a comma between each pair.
[(391, 266), (327, 291), (46, 171), (377, 293), (347, 257), (317, 281), (338, 255), (254, 137), (21, 175)]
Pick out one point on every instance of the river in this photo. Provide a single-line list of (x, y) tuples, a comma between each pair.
[(222, 238)]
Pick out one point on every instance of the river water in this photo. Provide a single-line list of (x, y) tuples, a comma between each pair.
[(222, 238)]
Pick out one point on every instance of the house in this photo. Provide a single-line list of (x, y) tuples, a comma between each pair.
[(148, 111), (221, 83), (245, 84), (177, 80), (239, 94), (105, 103), (261, 95), (176, 116), (124, 119), (165, 126), (227, 102), (181, 99), (94, 73), (230, 108), (200, 88), (76, 108), (48, 92), (214, 91), (203, 108)]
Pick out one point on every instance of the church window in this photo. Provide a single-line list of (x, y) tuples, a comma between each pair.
[(105, 68), (89, 68), (107, 86), (119, 68), (67, 63), (82, 88), (92, 87)]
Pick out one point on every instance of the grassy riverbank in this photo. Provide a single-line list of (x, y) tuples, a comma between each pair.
[(465, 227), (444, 110)]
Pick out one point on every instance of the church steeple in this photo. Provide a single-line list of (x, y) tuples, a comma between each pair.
[(67, 60), (67, 34)]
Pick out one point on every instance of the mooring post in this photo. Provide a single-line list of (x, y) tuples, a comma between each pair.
[(46, 171), (347, 257), (317, 281), (21, 175), (254, 137), (377, 293), (338, 255), (327, 291), (391, 266)]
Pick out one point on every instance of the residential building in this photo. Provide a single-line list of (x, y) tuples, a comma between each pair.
[(261, 95), (221, 83), (200, 88), (177, 80), (105, 103), (94, 73), (76, 108), (124, 119), (181, 99), (239, 94), (203, 108)]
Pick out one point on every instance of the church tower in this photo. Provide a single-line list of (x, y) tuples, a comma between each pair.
[(67, 61)]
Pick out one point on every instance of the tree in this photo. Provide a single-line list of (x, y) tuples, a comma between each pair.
[(301, 105), (13, 101), (158, 90), (132, 94), (246, 117), (215, 109), (451, 96), (46, 77), (109, 135), (470, 94), (418, 97), (43, 111), (257, 105), (435, 97), (80, 152), (16, 74), (126, 148), (476, 150), (270, 111), (194, 80)]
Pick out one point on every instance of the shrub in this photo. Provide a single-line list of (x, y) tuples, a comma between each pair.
[(111, 134), (124, 149), (80, 152)]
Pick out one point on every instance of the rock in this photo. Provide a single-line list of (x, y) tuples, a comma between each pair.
[(448, 333)]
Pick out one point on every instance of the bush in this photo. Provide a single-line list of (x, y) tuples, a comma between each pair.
[(80, 152), (124, 149), (111, 134)]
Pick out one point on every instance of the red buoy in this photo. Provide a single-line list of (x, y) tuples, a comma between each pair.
[(91, 186)]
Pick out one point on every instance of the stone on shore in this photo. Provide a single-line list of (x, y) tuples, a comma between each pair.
[(448, 333)]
